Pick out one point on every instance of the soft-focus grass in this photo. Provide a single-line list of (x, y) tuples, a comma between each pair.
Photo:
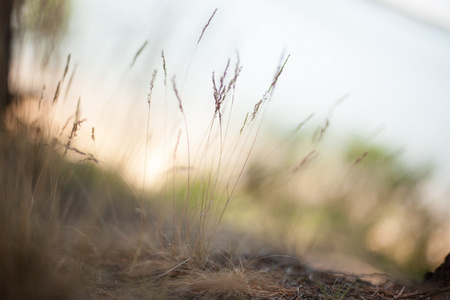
[(72, 217), (365, 202), (72, 225)]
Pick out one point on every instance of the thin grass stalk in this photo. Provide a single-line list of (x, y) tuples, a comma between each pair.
[(180, 105), (73, 133), (41, 98), (138, 53), (225, 90), (113, 209), (174, 185), (266, 97), (69, 84), (288, 137), (166, 143), (211, 185), (237, 71), (220, 94), (195, 49), (202, 166), (58, 87), (149, 101)]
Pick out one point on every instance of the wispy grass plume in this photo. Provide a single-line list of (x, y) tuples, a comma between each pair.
[(188, 184), (149, 101)]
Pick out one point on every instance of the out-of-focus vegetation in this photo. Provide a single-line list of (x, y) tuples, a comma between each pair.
[(72, 225), (365, 202), (44, 23)]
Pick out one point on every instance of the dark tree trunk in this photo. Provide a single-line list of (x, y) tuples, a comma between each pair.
[(6, 9)]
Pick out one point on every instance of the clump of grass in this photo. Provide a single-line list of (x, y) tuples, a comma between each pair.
[(30, 261), (88, 222)]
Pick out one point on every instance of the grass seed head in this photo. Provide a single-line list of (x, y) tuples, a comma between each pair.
[(66, 68), (180, 105), (206, 26), (152, 84), (55, 98), (164, 67)]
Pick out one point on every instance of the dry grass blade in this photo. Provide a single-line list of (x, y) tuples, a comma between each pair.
[(245, 123), (256, 108), (188, 183), (310, 156), (206, 26), (142, 214), (269, 92), (58, 87), (164, 67), (152, 85), (65, 126), (320, 132), (69, 84), (42, 97), (180, 105), (291, 135), (359, 159), (299, 126), (149, 101), (138, 53), (193, 54), (336, 104), (176, 146), (171, 269), (78, 112), (280, 70), (66, 69)]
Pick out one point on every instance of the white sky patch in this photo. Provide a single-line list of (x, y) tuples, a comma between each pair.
[(436, 12)]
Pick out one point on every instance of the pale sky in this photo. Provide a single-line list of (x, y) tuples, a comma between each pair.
[(433, 11)]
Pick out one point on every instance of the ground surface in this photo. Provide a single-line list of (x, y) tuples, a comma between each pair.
[(269, 277)]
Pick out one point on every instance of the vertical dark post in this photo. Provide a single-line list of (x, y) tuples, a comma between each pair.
[(6, 8)]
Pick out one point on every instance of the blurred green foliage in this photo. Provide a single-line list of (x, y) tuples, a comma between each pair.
[(367, 203), (387, 166)]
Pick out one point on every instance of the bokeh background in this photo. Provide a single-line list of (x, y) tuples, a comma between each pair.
[(372, 76)]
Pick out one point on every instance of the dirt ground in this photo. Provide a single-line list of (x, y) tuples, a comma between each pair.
[(267, 277)]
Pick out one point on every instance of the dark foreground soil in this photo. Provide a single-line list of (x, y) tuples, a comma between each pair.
[(268, 277)]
